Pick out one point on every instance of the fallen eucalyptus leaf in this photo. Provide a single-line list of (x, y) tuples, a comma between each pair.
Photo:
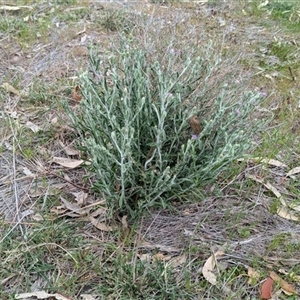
[(101, 226), (67, 162), (35, 128), (177, 261), (269, 161), (253, 276), (267, 289), (42, 295), (284, 213), (70, 150), (286, 287), (14, 8), (293, 171), (209, 266), (10, 89)]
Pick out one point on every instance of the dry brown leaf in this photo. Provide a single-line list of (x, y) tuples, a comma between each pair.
[(101, 226), (5, 280), (58, 210), (272, 188), (159, 256), (38, 217), (86, 209), (70, 150), (54, 120), (145, 257), (125, 231), (87, 297), (27, 172), (269, 186), (67, 162), (273, 162), (42, 190), (269, 161), (14, 8), (295, 207), (10, 89), (266, 289), (124, 222), (76, 94), (74, 209), (70, 206), (293, 171), (253, 276), (34, 128), (98, 211), (294, 277), (81, 198), (286, 287), (177, 261), (284, 213), (209, 266), (42, 295)]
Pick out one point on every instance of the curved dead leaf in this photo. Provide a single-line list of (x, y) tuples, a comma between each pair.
[(286, 287), (10, 89), (269, 186), (70, 150), (14, 8), (177, 261), (87, 297), (269, 161), (35, 128), (266, 289), (209, 266), (295, 207), (101, 226), (161, 257), (284, 213), (253, 276), (67, 162), (76, 94), (42, 295), (293, 171), (81, 198)]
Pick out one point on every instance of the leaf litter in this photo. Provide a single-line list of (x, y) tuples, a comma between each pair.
[(209, 266)]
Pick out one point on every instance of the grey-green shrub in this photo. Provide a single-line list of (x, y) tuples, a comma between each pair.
[(133, 124)]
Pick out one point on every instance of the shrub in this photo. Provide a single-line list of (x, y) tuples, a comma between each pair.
[(133, 124)]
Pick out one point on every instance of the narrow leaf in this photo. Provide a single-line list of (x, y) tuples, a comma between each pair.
[(101, 226), (286, 287), (293, 171), (284, 213), (67, 162)]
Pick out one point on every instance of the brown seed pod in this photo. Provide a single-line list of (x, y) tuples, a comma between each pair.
[(195, 124)]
